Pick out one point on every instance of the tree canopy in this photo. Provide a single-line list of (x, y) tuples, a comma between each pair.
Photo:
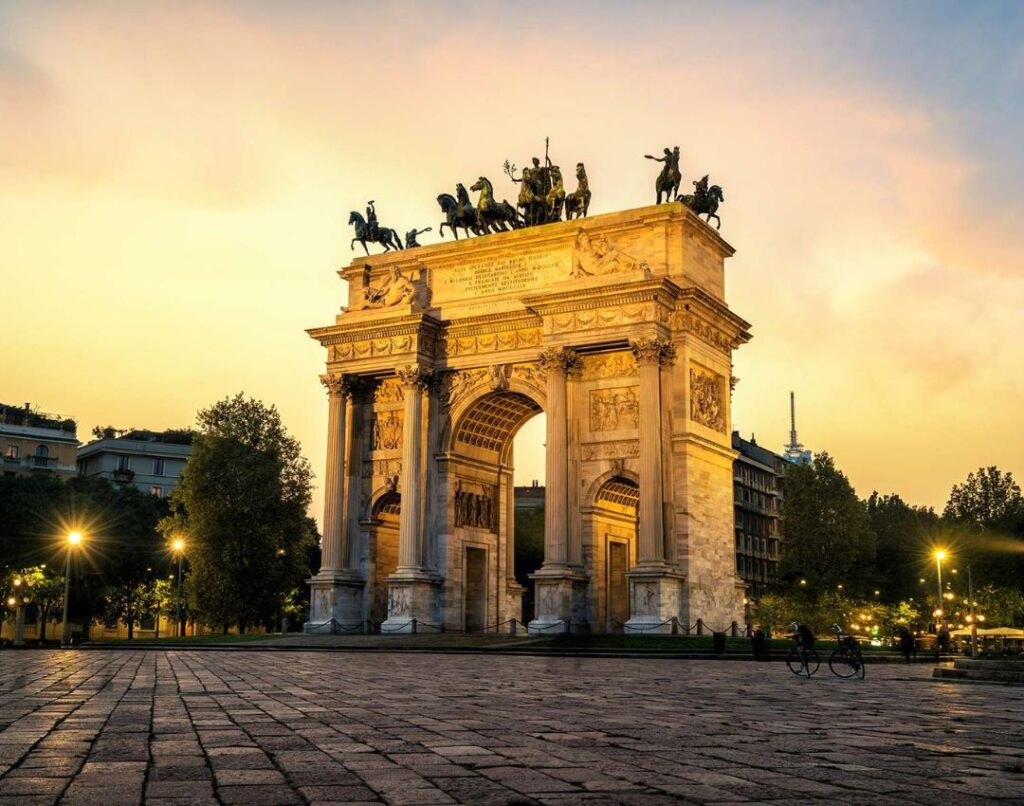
[(827, 533), (241, 508)]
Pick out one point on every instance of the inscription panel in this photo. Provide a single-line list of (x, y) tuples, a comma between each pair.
[(496, 275)]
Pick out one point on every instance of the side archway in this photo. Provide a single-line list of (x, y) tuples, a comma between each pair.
[(611, 530)]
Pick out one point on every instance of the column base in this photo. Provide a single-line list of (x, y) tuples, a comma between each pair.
[(411, 603), (560, 603), (656, 597), (336, 603)]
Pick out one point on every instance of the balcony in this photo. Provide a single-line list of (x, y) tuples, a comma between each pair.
[(123, 475), (41, 462)]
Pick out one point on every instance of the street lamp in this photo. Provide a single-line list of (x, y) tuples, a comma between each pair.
[(73, 539), (179, 548), (940, 555)]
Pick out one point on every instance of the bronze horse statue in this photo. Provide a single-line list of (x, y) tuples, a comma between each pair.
[(704, 200), (457, 215), (491, 214), (578, 203), (386, 236)]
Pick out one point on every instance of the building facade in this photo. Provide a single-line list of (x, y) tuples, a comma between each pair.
[(33, 442), (615, 326), (152, 461), (757, 491)]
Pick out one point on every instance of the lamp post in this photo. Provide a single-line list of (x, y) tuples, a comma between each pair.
[(940, 555), (74, 538), (179, 549), (19, 615), (974, 621)]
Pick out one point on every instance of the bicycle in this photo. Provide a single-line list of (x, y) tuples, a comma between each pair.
[(846, 660), (802, 660)]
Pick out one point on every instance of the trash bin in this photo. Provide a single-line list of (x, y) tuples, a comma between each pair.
[(718, 642)]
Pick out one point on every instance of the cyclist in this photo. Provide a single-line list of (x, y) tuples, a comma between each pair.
[(803, 637)]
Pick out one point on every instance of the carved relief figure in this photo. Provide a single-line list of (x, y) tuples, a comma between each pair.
[(387, 431), (597, 257), (474, 510), (393, 290), (323, 605), (388, 391), (706, 405), (614, 409), (398, 602), (610, 365)]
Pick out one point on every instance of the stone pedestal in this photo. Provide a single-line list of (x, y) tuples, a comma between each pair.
[(411, 599), (336, 603), (656, 595), (560, 602)]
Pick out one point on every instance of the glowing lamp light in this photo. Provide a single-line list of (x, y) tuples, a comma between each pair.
[(17, 582), (74, 538), (11, 601), (803, 581), (178, 544), (937, 613), (981, 619), (940, 555)]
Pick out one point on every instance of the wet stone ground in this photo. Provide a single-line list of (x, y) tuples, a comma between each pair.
[(259, 727)]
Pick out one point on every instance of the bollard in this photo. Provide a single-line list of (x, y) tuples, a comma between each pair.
[(414, 626), (675, 626), (512, 629), (700, 626), (735, 630)]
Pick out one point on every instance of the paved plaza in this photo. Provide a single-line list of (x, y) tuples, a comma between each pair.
[(261, 727)]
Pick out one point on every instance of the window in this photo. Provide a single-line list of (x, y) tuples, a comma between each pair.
[(158, 467), (42, 451), (156, 492), (13, 451), (123, 462)]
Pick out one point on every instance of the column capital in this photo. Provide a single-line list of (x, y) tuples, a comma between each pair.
[(652, 350), (414, 376), (562, 359), (339, 385)]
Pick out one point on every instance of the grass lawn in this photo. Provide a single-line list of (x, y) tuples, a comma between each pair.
[(189, 639)]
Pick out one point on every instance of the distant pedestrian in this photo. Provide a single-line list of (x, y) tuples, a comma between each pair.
[(906, 644)]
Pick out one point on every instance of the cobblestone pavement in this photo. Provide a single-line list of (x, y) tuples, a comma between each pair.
[(251, 727)]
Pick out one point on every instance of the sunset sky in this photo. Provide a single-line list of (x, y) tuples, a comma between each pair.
[(175, 180)]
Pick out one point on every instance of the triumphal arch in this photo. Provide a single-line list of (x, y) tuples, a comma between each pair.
[(616, 327)]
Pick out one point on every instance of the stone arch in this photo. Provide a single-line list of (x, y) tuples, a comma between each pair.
[(472, 397), (489, 421), (595, 486)]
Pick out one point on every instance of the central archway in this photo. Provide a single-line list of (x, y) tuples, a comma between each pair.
[(478, 471)]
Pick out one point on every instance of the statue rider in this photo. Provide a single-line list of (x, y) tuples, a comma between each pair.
[(372, 228)]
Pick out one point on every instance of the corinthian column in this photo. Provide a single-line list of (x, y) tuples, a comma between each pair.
[(557, 361), (410, 554), (335, 542), (650, 354)]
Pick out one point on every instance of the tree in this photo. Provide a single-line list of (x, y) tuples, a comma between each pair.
[(241, 503), (829, 541), (904, 537), (987, 514)]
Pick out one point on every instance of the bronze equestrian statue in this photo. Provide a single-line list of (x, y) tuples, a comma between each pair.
[(704, 200), (670, 177), (371, 231), (491, 214)]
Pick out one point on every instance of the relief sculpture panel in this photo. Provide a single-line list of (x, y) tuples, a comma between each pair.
[(609, 365), (387, 431), (474, 508), (707, 406), (614, 409)]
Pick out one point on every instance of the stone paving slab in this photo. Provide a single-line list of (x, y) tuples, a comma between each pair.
[(194, 727)]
